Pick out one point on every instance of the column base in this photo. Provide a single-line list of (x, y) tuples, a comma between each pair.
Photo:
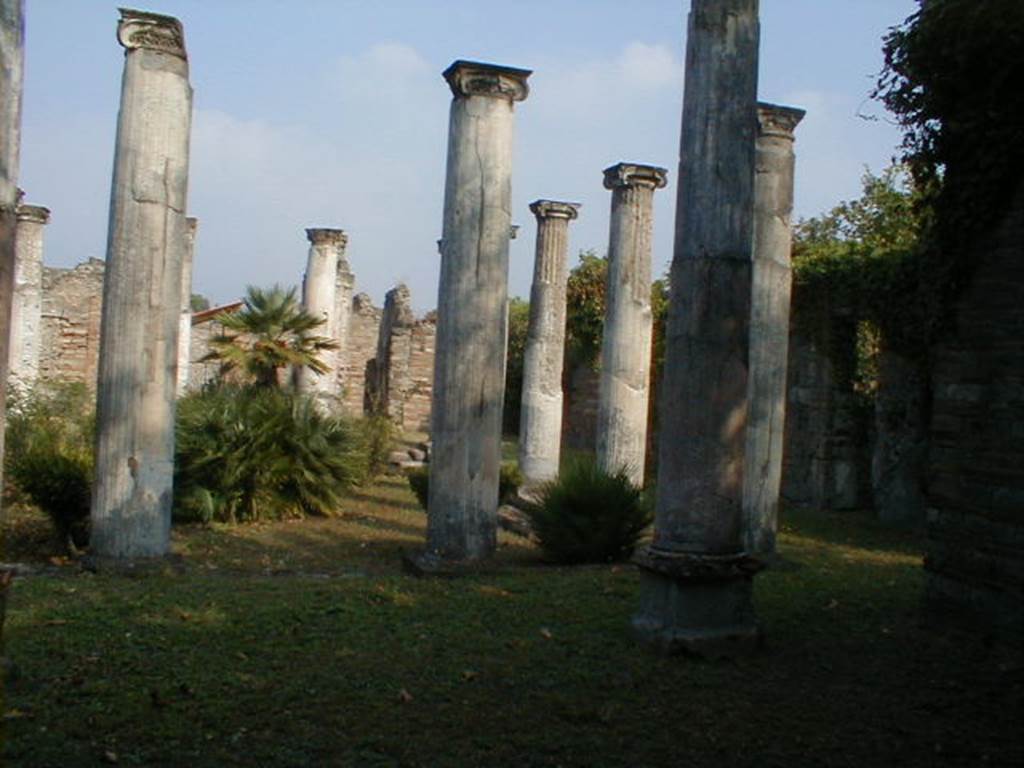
[(161, 565), (426, 564), (699, 605)]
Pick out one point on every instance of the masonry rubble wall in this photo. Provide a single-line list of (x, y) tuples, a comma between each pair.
[(72, 301), (361, 348), (975, 482)]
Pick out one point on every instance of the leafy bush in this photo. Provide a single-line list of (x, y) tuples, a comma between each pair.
[(509, 480), (378, 435), (249, 453), (589, 516), (49, 456), (419, 482)]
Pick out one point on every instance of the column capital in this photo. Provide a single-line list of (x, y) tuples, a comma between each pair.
[(634, 175), (191, 224), (474, 78), (34, 213), (554, 209), (142, 29), (319, 236), (777, 120)]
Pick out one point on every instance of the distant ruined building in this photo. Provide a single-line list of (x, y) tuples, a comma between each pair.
[(385, 364)]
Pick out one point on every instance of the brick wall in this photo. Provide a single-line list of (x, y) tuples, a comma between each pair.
[(361, 347), (975, 546), (70, 327)]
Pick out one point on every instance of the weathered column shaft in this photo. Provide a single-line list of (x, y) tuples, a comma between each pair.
[(12, 61), (471, 324), (769, 324), (319, 297), (131, 503), (394, 347), (628, 322), (704, 404), (696, 592), (185, 318), (540, 420), (27, 303)]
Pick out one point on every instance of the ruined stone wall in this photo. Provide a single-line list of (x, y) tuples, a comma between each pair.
[(826, 450), (975, 547), (70, 328), (400, 379), (360, 348)]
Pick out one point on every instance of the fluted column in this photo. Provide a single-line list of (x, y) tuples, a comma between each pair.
[(769, 324), (540, 420), (471, 314), (696, 579), (27, 303), (319, 297), (12, 60), (185, 317), (131, 503), (628, 322)]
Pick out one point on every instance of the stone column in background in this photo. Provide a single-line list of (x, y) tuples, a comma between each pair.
[(628, 322), (185, 318), (471, 313), (12, 63), (696, 588), (540, 421), (27, 304), (769, 324), (394, 348), (319, 297), (146, 244)]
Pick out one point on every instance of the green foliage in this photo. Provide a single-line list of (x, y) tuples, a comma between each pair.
[(585, 295), (419, 483), (952, 78), (251, 453), (270, 333), (49, 456), (378, 435), (518, 325), (509, 480), (863, 260), (589, 516), (198, 303)]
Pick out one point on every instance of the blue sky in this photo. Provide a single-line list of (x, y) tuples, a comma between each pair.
[(334, 114)]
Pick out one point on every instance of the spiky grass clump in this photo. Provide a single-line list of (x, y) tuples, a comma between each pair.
[(250, 453), (589, 516)]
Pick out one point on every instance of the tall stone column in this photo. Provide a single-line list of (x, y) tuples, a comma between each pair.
[(471, 314), (12, 61), (769, 324), (185, 318), (146, 245), (27, 304), (628, 322), (540, 420), (697, 580), (319, 297)]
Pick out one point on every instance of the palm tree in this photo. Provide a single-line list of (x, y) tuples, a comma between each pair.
[(272, 331)]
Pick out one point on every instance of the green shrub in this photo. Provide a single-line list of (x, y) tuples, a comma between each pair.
[(589, 516), (249, 453), (419, 482), (49, 455), (378, 435), (509, 480)]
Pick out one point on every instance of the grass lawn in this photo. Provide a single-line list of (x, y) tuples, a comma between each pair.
[(303, 644)]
